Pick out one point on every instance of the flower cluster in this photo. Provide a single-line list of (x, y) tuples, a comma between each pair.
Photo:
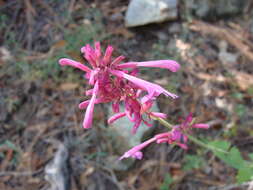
[(177, 136), (116, 82)]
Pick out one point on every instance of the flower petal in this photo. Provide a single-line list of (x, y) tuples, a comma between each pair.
[(115, 107), (89, 112), (89, 55), (93, 75), (97, 50), (152, 89), (138, 155), (65, 61), (166, 64), (158, 114), (84, 104), (135, 151), (108, 55), (115, 117), (137, 123), (201, 126), (117, 60)]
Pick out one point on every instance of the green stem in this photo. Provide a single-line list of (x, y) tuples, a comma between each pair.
[(200, 143), (164, 122)]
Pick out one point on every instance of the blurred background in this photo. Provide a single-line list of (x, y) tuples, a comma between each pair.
[(42, 142)]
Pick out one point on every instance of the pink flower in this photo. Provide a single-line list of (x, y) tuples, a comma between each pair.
[(87, 122), (153, 90), (188, 124), (135, 152), (135, 110), (166, 64), (177, 136), (113, 83)]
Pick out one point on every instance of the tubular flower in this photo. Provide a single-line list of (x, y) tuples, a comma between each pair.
[(135, 152), (135, 111), (177, 136), (114, 82)]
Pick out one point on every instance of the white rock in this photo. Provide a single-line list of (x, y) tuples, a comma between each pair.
[(123, 127), (226, 57), (142, 12), (122, 139)]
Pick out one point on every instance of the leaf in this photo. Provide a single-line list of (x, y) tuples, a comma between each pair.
[(9, 144), (251, 156), (240, 109), (244, 174), (223, 145), (167, 182), (233, 158), (192, 162)]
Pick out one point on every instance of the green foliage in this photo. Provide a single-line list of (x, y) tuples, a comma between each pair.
[(237, 95), (96, 154), (250, 90), (166, 182), (192, 162), (244, 174), (240, 109), (251, 156), (234, 159), (3, 20)]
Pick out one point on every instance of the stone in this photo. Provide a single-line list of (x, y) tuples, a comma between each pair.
[(251, 27), (122, 139), (162, 36), (174, 28), (227, 58), (142, 12)]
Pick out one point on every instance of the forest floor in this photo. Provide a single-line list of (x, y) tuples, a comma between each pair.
[(39, 99)]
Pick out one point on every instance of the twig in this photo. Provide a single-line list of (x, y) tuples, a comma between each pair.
[(229, 187), (223, 33), (30, 13), (48, 8), (25, 173), (71, 7), (111, 172)]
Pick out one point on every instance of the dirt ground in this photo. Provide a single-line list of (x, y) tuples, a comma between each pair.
[(38, 99)]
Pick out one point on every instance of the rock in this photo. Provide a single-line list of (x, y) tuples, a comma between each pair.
[(122, 139), (226, 57), (162, 36), (211, 9), (57, 171), (251, 27), (174, 28), (142, 12), (203, 8), (116, 17)]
